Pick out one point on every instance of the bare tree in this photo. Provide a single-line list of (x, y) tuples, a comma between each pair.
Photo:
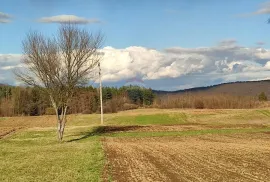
[(59, 65)]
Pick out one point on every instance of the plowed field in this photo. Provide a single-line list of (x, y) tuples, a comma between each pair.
[(234, 157)]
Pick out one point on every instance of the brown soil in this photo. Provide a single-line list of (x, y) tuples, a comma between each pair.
[(6, 131), (239, 157), (182, 127)]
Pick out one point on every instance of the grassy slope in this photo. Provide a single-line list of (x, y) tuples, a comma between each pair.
[(37, 156), (33, 153)]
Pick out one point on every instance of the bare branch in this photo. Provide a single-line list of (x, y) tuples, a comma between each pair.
[(59, 65)]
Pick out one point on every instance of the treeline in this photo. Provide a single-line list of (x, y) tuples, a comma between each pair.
[(210, 101), (15, 101)]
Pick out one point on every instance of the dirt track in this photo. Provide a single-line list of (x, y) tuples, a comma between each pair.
[(241, 157)]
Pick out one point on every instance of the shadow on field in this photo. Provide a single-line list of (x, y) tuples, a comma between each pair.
[(106, 129)]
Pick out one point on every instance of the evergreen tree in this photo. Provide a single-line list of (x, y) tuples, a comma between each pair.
[(148, 97)]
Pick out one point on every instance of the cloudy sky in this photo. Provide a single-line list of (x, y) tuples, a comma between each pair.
[(169, 45)]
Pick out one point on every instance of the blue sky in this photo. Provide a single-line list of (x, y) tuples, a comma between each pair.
[(155, 24)]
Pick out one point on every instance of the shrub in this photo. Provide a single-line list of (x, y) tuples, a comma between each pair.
[(110, 106), (128, 106), (198, 104), (49, 111), (107, 109), (262, 97), (87, 111)]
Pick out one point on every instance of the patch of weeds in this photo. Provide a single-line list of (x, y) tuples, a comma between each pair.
[(264, 112)]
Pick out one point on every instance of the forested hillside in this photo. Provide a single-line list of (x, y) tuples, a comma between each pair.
[(248, 88)]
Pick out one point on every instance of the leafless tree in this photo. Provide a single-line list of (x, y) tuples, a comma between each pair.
[(59, 65)]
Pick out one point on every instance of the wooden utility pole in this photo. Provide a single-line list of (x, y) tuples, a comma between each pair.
[(100, 93)]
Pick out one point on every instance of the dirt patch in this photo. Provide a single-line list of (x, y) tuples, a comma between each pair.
[(241, 157), (28, 121), (181, 127), (114, 129), (6, 131)]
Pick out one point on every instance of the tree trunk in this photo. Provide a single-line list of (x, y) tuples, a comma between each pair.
[(61, 119), (59, 130), (62, 129)]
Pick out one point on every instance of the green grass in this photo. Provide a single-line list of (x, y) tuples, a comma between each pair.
[(140, 119), (155, 119), (264, 112), (85, 120), (2, 118), (37, 156), (237, 116)]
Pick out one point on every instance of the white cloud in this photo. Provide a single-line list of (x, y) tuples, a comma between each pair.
[(219, 62), (267, 65), (227, 42), (67, 19), (264, 9), (173, 67), (8, 62), (8, 67), (5, 18)]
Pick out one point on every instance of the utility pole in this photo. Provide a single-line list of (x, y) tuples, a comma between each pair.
[(100, 93)]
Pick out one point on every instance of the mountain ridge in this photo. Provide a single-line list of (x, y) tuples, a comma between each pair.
[(251, 88)]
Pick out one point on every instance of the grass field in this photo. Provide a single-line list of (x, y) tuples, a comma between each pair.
[(139, 145)]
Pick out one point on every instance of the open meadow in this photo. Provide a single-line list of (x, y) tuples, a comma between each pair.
[(139, 145)]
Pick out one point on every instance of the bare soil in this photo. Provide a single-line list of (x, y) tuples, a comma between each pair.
[(6, 131), (180, 127), (238, 157)]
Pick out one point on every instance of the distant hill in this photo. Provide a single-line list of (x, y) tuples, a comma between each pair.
[(247, 88)]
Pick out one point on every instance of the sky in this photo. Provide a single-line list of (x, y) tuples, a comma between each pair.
[(169, 45)]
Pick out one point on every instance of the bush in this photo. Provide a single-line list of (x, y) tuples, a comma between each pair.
[(110, 107), (87, 111), (107, 109), (198, 104), (262, 97), (49, 111), (128, 106)]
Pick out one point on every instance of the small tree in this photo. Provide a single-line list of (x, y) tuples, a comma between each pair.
[(59, 65), (148, 96), (262, 97)]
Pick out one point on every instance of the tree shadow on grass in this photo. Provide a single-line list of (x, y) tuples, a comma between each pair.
[(100, 130)]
